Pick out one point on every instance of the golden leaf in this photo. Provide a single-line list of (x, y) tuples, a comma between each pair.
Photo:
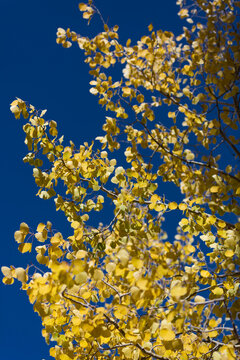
[(24, 228), (199, 299), (182, 206), (167, 334), (217, 291), (205, 273), (177, 289), (110, 267), (75, 224), (8, 281), (19, 236), (98, 275), (184, 222), (7, 272), (40, 227), (21, 274), (81, 278), (82, 7), (221, 224), (172, 205), (81, 254), (214, 189), (65, 357), (25, 247), (229, 253)]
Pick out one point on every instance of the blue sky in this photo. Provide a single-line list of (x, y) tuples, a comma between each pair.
[(36, 69)]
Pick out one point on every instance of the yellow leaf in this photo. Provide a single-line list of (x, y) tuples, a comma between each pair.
[(178, 290), (81, 254), (205, 273), (171, 114), (19, 236), (110, 267), (87, 15), (126, 91), (172, 205), (137, 263), (212, 334), (75, 224), (142, 284), (229, 253), (203, 348), (120, 311), (56, 239), (65, 357), (159, 207), (81, 278), (83, 343), (167, 334), (154, 198), (214, 189), (150, 27), (227, 352), (39, 237), (98, 275), (140, 98), (190, 155), (93, 91), (40, 227), (211, 219), (184, 221), (132, 336), (49, 225), (21, 274), (8, 281), (76, 321), (106, 28), (222, 233), (217, 291), (190, 249), (25, 247), (217, 356), (6, 271), (24, 228), (49, 321), (160, 272), (44, 289), (82, 7), (199, 299), (213, 323), (182, 206), (123, 256), (52, 352), (183, 13), (16, 111), (221, 224), (87, 295)]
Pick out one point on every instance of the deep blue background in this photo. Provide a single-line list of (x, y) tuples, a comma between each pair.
[(36, 69)]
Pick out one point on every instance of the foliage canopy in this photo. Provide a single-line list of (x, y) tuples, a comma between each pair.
[(124, 290)]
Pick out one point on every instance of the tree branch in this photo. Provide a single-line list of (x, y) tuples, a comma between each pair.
[(189, 162)]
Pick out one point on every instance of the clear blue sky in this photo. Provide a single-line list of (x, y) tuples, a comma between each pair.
[(36, 69)]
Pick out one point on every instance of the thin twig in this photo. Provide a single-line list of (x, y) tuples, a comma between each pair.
[(206, 302), (189, 162), (116, 290), (235, 331)]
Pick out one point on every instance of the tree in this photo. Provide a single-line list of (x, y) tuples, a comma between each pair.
[(123, 289)]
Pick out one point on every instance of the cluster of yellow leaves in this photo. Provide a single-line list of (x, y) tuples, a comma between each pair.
[(124, 290)]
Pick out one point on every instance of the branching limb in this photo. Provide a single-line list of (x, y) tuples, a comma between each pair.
[(235, 330), (116, 290)]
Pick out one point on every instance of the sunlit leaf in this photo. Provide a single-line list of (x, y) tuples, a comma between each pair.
[(25, 247)]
